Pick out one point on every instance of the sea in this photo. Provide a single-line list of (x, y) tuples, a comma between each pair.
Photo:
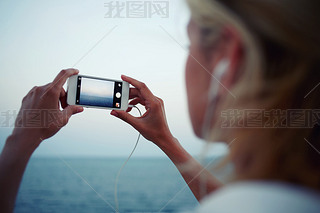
[(94, 100), (79, 185)]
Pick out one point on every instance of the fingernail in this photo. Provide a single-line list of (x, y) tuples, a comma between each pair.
[(114, 113), (80, 109)]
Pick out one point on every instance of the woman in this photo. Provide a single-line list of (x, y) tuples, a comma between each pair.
[(246, 54)]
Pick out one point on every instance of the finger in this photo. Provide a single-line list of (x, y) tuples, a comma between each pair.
[(69, 111), (62, 77), (63, 98), (133, 93), (135, 102), (126, 117), (143, 89)]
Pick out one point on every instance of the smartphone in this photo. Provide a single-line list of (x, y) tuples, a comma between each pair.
[(96, 92)]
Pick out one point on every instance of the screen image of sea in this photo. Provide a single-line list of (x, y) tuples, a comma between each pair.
[(95, 92)]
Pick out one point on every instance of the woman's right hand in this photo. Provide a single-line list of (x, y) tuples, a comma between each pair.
[(152, 124)]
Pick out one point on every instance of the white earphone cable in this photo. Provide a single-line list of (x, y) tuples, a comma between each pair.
[(123, 165)]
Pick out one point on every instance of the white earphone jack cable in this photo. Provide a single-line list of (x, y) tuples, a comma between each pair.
[(123, 165)]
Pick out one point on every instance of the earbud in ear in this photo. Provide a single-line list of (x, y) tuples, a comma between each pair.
[(218, 73), (221, 68)]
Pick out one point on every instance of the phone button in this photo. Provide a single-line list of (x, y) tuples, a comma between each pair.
[(118, 94)]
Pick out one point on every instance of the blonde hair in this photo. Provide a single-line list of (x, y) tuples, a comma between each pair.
[(281, 65)]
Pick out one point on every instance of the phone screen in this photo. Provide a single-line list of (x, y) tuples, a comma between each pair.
[(98, 92)]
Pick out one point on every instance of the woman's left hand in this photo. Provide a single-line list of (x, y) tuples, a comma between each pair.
[(40, 116)]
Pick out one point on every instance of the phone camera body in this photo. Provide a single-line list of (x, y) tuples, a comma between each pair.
[(96, 92)]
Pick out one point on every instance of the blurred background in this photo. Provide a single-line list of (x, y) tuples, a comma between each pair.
[(146, 40), (39, 38)]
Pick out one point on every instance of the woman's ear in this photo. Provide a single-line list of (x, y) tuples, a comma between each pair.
[(228, 51)]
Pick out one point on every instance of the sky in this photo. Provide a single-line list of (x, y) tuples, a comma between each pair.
[(97, 87), (39, 38)]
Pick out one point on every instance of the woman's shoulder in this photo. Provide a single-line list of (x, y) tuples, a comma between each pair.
[(261, 197)]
